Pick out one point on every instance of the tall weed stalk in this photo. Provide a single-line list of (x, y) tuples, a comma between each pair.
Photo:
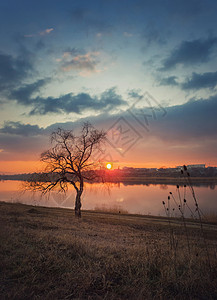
[(184, 207)]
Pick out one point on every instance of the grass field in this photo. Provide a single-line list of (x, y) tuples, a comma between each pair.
[(45, 253)]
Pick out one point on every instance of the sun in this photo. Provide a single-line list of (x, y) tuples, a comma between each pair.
[(108, 166)]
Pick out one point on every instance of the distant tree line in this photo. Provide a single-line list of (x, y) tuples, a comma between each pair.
[(121, 173)]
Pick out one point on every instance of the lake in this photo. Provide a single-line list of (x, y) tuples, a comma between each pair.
[(131, 198)]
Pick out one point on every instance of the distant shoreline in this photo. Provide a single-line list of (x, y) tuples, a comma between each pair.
[(148, 180), (168, 180)]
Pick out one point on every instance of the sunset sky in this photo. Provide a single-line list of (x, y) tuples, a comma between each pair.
[(144, 71)]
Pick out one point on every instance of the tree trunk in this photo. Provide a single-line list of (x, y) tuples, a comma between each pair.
[(78, 204)]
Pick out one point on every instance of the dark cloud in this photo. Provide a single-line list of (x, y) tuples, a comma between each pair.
[(193, 122), (77, 103), (18, 147), (195, 119), (18, 128), (20, 141), (190, 53), (135, 94), (195, 82), (24, 94), (13, 70), (108, 101), (171, 80), (200, 81)]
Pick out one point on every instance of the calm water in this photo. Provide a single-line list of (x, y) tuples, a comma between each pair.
[(139, 198)]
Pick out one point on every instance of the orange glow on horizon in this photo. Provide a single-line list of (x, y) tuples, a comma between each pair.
[(19, 167)]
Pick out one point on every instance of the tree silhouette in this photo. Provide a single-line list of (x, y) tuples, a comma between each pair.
[(69, 161)]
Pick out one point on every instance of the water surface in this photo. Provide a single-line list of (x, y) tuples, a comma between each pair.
[(133, 198)]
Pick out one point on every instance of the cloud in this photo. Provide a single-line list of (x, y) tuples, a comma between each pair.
[(108, 101), (195, 119), (72, 60), (41, 33), (127, 34), (200, 81), (13, 70), (191, 126), (190, 53), (171, 80), (70, 53), (135, 94), (20, 141), (46, 31), (18, 128), (24, 94), (19, 147), (195, 82)]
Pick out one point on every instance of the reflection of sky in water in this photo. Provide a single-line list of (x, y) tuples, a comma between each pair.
[(141, 199)]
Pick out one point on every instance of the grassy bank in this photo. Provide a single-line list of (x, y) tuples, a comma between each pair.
[(46, 253)]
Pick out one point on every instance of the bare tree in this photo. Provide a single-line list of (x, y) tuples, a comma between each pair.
[(69, 161)]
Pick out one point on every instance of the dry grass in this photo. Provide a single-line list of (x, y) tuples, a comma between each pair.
[(111, 209), (211, 217), (46, 253)]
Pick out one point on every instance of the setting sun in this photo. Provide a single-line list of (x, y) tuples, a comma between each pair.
[(108, 166)]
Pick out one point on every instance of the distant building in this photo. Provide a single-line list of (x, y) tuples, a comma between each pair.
[(196, 166), (201, 166), (179, 167)]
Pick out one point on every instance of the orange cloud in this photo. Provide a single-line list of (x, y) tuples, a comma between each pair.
[(46, 31), (41, 33), (85, 63)]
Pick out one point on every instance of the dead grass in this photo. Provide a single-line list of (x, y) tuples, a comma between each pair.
[(111, 209), (46, 253)]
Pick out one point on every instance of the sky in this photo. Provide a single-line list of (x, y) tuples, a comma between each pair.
[(144, 71)]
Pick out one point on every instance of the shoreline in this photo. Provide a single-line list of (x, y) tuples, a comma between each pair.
[(165, 180), (101, 213), (148, 180)]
